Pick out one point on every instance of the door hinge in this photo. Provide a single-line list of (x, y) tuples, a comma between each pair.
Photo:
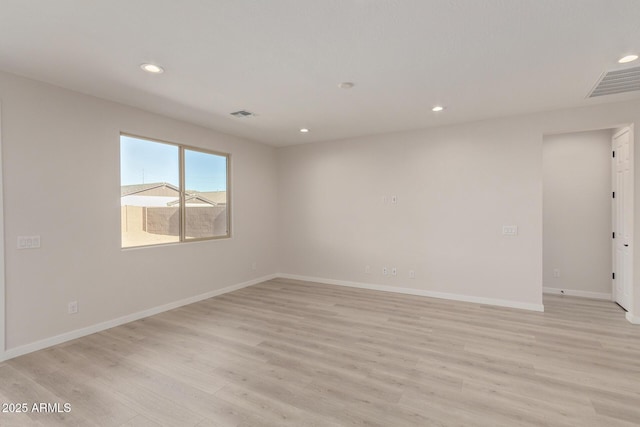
[(614, 154), (613, 276), (614, 194), (613, 235)]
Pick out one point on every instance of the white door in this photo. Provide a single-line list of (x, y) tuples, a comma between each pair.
[(623, 217)]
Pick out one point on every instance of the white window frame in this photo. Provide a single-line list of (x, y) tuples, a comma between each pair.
[(181, 164)]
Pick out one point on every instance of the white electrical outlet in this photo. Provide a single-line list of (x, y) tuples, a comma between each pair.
[(254, 265), (385, 271), (394, 200), (412, 274), (394, 271), (367, 269), (72, 307), (556, 273)]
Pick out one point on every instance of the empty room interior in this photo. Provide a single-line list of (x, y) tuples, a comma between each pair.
[(319, 213)]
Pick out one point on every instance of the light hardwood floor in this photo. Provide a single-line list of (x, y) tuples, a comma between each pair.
[(302, 354)]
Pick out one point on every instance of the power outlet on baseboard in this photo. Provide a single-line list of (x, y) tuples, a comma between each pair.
[(367, 269), (254, 266), (556, 273)]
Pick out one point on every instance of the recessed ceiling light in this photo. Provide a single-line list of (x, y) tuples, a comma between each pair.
[(437, 108), (304, 130), (346, 85), (628, 58), (152, 68)]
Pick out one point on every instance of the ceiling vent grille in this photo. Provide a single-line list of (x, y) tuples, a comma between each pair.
[(618, 81), (242, 113)]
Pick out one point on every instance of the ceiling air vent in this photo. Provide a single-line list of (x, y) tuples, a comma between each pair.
[(618, 81), (242, 113)]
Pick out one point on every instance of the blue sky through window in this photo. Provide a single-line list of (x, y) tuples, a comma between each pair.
[(144, 162), (204, 171)]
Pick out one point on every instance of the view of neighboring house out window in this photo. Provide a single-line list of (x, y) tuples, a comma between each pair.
[(170, 193)]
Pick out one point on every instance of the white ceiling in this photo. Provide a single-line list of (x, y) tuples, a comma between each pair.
[(283, 59)]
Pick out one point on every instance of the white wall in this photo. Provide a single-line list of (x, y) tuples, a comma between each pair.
[(577, 213), (61, 181), (457, 186)]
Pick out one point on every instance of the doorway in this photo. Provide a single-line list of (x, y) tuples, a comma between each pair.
[(580, 257)]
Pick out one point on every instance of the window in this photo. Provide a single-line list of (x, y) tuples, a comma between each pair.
[(171, 193)]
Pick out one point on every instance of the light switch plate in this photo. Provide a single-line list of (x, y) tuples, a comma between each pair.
[(509, 230), (28, 242)]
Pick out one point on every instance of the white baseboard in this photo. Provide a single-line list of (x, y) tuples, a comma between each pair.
[(68, 336), (575, 293), (632, 319), (420, 292)]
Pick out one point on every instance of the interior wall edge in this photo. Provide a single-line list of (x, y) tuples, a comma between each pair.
[(2, 259)]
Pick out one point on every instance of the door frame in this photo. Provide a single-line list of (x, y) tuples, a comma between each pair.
[(3, 348), (630, 130)]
